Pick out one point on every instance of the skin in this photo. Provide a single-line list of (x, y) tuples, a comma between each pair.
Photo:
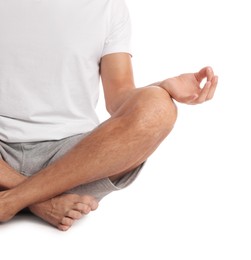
[(141, 118)]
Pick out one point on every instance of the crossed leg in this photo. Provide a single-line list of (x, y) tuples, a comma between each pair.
[(61, 211), (117, 146)]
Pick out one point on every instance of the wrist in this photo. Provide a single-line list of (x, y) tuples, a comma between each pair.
[(165, 84), (162, 84)]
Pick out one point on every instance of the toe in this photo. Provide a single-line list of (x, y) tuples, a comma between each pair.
[(89, 200), (86, 199), (66, 221), (94, 205), (74, 214), (63, 227), (83, 208)]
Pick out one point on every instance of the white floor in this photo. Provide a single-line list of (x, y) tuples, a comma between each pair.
[(192, 200)]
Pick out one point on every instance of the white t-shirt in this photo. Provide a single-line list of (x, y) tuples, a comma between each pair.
[(50, 52)]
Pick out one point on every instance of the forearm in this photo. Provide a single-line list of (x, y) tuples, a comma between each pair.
[(126, 94), (9, 178)]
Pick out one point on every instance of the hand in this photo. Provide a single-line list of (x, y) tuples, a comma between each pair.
[(186, 87)]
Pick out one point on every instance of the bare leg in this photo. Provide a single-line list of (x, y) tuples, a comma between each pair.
[(9, 178), (61, 211), (118, 145)]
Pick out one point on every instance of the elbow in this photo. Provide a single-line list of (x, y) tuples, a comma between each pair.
[(114, 103), (110, 110), (113, 107)]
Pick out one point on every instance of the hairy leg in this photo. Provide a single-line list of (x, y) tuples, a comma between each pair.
[(120, 144), (9, 178)]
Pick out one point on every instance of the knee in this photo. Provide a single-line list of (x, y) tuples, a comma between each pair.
[(154, 110)]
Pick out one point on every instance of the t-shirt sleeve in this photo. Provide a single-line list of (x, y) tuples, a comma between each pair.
[(118, 37)]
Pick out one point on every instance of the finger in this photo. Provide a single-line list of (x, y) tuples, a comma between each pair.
[(191, 100), (206, 72), (210, 73), (201, 74), (212, 88), (204, 93)]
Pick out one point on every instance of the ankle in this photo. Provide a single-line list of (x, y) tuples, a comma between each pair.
[(8, 206)]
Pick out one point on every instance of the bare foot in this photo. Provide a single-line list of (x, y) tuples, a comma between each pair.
[(63, 210)]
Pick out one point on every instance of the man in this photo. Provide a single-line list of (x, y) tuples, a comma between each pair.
[(55, 157)]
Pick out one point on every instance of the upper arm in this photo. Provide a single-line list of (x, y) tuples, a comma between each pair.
[(117, 78)]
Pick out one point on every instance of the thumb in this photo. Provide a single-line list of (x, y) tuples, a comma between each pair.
[(192, 98)]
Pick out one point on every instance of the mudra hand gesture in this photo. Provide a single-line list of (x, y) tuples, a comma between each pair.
[(186, 88)]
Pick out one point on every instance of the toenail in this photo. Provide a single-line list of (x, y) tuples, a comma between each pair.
[(63, 228)]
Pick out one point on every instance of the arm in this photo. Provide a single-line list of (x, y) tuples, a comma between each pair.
[(118, 83), (117, 78)]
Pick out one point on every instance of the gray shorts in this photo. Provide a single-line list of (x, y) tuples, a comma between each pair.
[(29, 158)]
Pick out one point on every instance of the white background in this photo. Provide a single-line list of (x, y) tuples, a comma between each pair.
[(192, 200)]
